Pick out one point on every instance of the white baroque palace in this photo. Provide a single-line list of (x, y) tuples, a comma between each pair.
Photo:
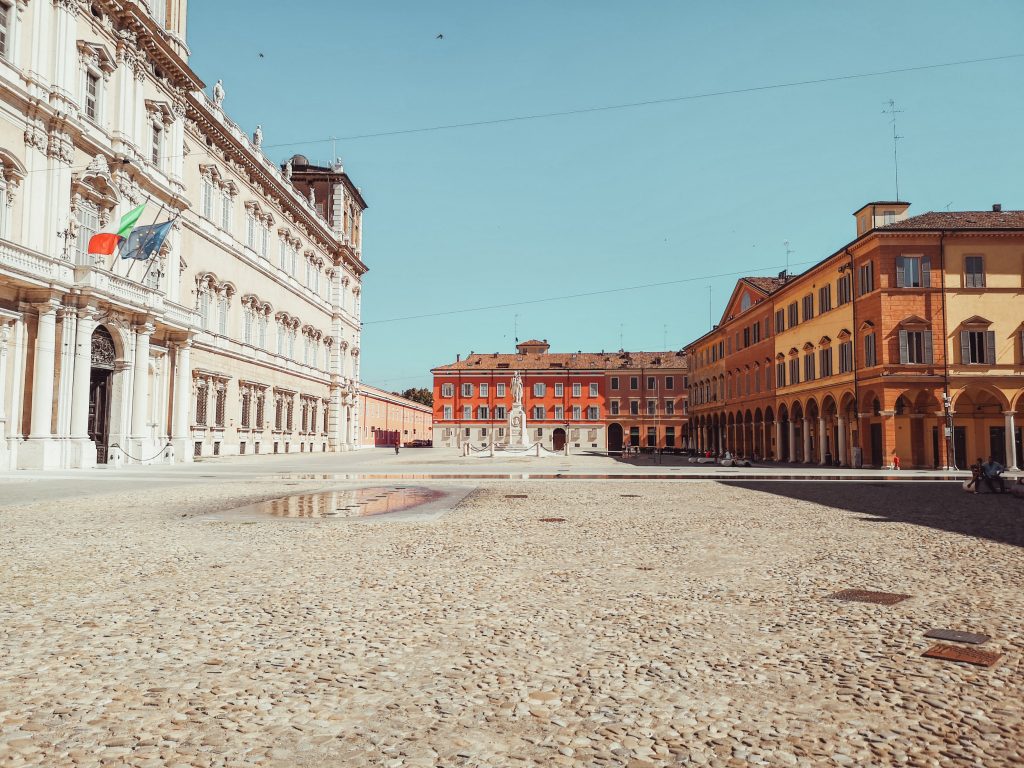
[(241, 336)]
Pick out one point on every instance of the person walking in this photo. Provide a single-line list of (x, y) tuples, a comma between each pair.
[(992, 472), (895, 460), (396, 447)]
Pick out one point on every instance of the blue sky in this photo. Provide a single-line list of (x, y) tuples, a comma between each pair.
[(518, 211)]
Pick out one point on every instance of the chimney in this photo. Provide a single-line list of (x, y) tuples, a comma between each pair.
[(458, 357), (997, 208), (782, 275)]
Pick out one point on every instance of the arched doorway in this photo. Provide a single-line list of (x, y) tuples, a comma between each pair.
[(101, 376), (614, 438), (558, 439)]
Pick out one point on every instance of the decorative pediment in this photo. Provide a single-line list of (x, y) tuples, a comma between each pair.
[(824, 341), (844, 334), (808, 346), (867, 325), (96, 184), (914, 321), (160, 110), (794, 351), (780, 356), (977, 320), (97, 55)]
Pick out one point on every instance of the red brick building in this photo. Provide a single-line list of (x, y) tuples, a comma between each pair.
[(386, 418), (591, 400)]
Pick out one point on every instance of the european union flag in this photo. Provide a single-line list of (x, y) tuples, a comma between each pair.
[(143, 242)]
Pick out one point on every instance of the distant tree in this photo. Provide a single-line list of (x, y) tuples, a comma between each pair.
[(421, 395)]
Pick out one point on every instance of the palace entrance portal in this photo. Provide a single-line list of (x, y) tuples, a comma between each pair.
[(100, 390)]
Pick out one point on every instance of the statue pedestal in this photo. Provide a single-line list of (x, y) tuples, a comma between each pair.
[(517, 435)]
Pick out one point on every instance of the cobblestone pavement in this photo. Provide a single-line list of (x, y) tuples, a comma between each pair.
[(660, 624)]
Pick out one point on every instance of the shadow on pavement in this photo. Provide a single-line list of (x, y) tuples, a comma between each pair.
[(943, 506)]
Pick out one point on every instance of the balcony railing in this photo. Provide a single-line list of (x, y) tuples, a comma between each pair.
[(33, 264)]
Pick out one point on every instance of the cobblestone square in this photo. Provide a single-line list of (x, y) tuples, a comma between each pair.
[(662, 623)]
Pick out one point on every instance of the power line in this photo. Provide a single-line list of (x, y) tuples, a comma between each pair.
[(577, 295), (649, 102)]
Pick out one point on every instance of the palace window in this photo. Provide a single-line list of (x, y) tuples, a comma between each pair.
[(670, 437), (499, 390), (202, 398), (870, 356), (634, 382), (447, 390), (670, 383), (539, 389), (290, 412), (88, 217), (246, 408), (484, 389), (225, 211), (577, 413), (780, 374), (913, 272), (263, 322), (825, 358), (559, 413), (282, 254), (824, 298), (499, 412), (593, 413), (915, 347), (261, 399), (221, 404), (447, 413), (652, 383), (559, 390), (614, 405), (843, 292), (279, 413), (222, 315), (634, 407), (652, 437), (794, 371), (156, 149), (467, 390), (482, 412), (670, 407), (978, 347), (974, 272), (846, 357), (5, 30), (780, 320), (206, 198), (467, 412), (247, 318), (808, 307), (793, 314), (615, 382), (92, 95), (865, 278), (652, 407), (539, 412)]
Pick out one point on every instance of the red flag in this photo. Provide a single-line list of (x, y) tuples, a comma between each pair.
[(104, 243)]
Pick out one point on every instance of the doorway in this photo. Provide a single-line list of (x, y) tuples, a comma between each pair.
[(997, 444), (960, 459), (615, 438), (877, 460), (101, 375), (558, 439)]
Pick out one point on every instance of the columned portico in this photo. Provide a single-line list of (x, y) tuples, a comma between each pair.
[(181, 433), (6, 334), (1012, 459), (792, 442), (808, 457), (841, 426), (142, 443), (41, 451), (822, 442)]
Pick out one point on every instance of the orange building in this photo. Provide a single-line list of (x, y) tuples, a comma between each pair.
[(908, 342), (386, 419), (591, 400)]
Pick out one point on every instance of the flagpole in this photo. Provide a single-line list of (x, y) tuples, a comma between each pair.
[(113, 261), (149, 240), (151, 259)]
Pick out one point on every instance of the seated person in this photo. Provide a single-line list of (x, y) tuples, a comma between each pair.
[(991, 473)]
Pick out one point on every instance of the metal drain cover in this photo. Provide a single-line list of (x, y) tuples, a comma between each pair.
[(963, 655), (956, 636), (552, 519), (515, 496), (867, 596)]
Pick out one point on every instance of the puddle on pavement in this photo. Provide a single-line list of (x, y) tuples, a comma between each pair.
[(392, 502)]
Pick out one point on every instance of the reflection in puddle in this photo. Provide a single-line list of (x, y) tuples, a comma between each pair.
[(353, 502), (719, 476)]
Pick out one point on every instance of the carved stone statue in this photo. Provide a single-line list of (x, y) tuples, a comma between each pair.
[(218, 92), (257, 137), (517, 389), (312, 197), (288, 170)]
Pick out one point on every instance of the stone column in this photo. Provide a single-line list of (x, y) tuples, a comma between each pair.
[(778, 442), (792, 442), (182, 405), (889, 437), (83, 452), (841, 439), (808, 459), (140, 381), (68, 334), (6, 333), (822, 442), (42, 380), (41, 451), (1011, 444)]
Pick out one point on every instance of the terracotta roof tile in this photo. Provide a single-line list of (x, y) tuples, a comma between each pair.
[(768, 284), (960, 220), (583, 361)]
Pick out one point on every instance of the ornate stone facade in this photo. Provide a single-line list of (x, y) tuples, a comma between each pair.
[(252, 305)]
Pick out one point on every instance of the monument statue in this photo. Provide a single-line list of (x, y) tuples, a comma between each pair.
[(517, 431), (218, 93), (257, 137), (517, 389)]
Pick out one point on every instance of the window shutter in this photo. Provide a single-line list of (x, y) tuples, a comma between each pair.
[(926, 339), (901, 271), (990, 347), (965, 347), (926, 273), (904, 348)]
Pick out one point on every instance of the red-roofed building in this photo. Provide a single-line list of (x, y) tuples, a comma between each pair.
[(596, 401)]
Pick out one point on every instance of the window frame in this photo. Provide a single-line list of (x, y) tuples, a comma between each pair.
[(974, 279)]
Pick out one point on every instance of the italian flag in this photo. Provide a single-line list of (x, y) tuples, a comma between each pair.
[(105, 243)]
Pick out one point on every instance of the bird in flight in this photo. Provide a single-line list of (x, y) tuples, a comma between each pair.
[(440, 37)]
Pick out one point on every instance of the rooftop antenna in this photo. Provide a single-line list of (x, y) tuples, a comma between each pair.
[(890, 109), (789, 252), (949, 204)]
